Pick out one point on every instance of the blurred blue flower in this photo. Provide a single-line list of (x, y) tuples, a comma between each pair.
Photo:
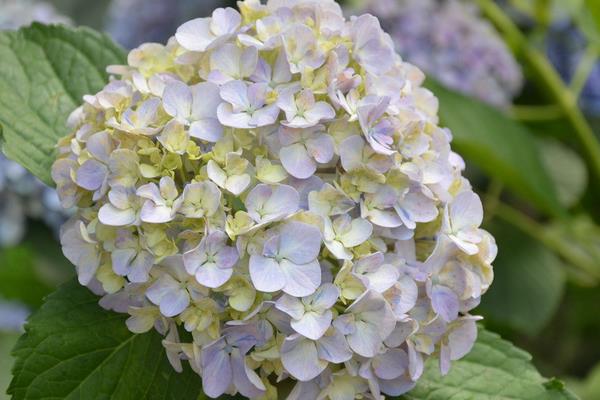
[(133, 22), (452, 43), (565, 47), (17, 13)]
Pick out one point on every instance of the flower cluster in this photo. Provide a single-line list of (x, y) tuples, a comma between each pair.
[(565, 47), (271, 191), (449, 40)]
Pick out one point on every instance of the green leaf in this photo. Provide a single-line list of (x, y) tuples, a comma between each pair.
[(73, 349), (44, 72), (501, 147), (567, 170), (580, 236), (493, 370), (528, 285)]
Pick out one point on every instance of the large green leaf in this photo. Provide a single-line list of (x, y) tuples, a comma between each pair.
[(73, 349), (566, 169), (528, 285), (44, 72), (493, 370), (501, 147)]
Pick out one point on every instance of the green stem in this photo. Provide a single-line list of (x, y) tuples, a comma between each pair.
[(540, 232), (584, 68), (548, 78), (536, 113)]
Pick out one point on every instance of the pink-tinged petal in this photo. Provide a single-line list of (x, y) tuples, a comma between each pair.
[(321, 148), (217, 373), (301, 280), (209, 129), (299, 357), (112, 216), (444, 302), (296, 160), (246, 381), (290, 305), (266, 274), (177, 100), (299, 242), (333, 347), (313, 325), (391, 364), (210, 275), (195, 35), (91, 175), (227, 117)]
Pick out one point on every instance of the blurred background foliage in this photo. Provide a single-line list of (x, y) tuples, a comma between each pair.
[(519, 86)]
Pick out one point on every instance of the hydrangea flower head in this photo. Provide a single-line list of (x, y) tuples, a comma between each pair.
[(259, 183)]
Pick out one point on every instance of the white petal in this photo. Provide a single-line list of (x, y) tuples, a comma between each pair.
[(195, 35), (313, 325), (177, 100), (296, 160), (299, 242), (266, 274), (301, 280), (299, 357)]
